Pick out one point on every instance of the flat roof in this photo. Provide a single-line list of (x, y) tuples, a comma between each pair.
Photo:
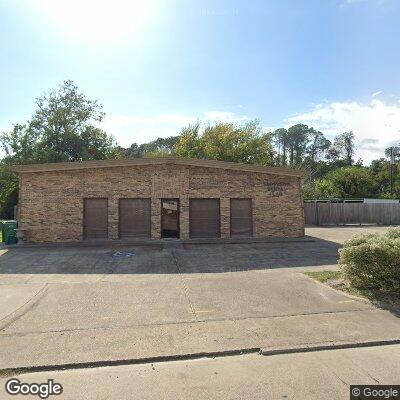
[(66, 166)]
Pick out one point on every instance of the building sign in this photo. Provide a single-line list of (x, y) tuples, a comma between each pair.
[(203, 182), (277, 189), (213, 181)]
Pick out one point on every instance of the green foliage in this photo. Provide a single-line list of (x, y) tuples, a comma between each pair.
[(317, 147), (157, 154), (61, 129), (298, 139), (321, 168), (394, 152), (8, 192), (393, 234), (346, 182), (246, 143), (325, 189), (64, 128), (334, 182), (161, 147), (372, 261), (343, 148), (189, 144), (308, 148), (308, 191), (301, 145)]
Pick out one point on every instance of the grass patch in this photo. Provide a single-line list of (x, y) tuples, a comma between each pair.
[(324, 276), (380, 298)]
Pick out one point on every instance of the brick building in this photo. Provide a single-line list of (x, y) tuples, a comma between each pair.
[(158, 198)]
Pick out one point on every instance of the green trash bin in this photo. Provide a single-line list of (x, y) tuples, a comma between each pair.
[(9, 234)]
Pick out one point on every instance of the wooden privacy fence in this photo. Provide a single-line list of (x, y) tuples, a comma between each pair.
[(352, 213)]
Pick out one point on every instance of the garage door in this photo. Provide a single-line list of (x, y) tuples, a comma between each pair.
[(134, 218), (204, 216), (241, 218), (95, 219)]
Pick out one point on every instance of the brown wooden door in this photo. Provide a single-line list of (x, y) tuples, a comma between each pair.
[(95, 219), (204, 218), (241, 218), (134, 218)]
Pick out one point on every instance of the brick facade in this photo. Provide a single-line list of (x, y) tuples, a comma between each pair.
[(51, 202)]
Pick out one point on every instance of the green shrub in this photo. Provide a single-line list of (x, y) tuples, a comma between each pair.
[(361, 239), (372, 261), (393, 233)]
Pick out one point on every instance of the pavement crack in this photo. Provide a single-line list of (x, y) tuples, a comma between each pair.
[(361, 369), (185, 287), (197, 321), (25, 308), (332, 371)]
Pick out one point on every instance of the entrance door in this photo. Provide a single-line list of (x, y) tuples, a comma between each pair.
[(95, 219), (134, 218), (170, 218), (204, 218)]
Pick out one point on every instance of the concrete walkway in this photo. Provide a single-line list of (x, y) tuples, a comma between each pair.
[(128, 316), (311, 376), (83, 305)]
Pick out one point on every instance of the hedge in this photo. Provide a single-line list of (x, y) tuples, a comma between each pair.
[(372, 261)]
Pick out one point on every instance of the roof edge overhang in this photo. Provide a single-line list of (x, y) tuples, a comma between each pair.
[(67, 166)]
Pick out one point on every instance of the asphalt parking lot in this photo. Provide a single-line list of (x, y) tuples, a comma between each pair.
[(168, 259), (319, 249)]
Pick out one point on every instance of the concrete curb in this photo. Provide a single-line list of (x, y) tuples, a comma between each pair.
[(302, 348), (310, 347), (154, 242), (133, 361)]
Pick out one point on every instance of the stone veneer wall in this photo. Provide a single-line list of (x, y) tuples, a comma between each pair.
[(51, 203)]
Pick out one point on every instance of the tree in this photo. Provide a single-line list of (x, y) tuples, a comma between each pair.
[(343, 148), (246, 143), (318, 145), (394, 152), (189, 144), (347, 182), (133, 151), (61, 129), (8, 192), (326, 189), (280, 137), (161, 147), (298, 139), (381, 171)]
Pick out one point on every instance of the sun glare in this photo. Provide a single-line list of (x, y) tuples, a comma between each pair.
[(96, 20)]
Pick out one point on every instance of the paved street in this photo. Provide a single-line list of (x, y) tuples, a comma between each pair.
[(311, 376), (97, 305)]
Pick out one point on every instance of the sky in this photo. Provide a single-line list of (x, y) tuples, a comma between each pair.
[(157, 65)]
